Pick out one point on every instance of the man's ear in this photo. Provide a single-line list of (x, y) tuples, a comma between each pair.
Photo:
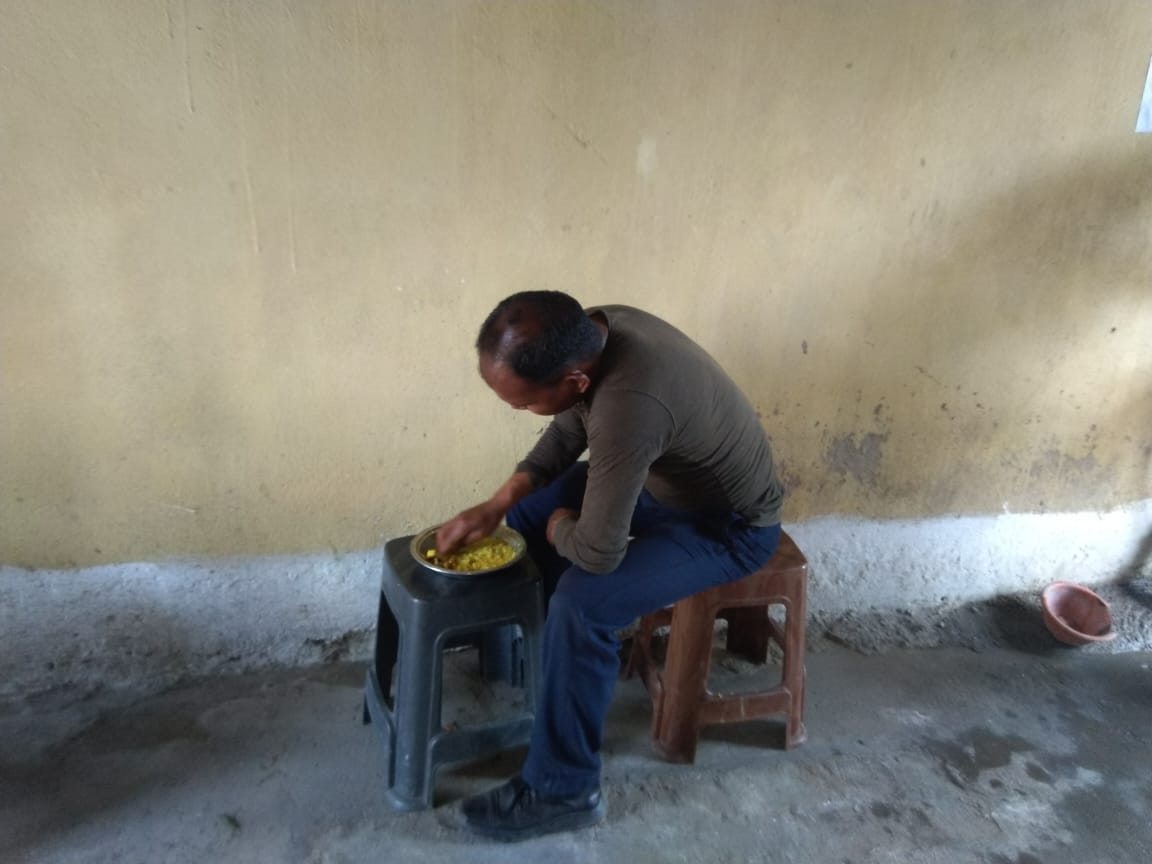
[(580, 378)]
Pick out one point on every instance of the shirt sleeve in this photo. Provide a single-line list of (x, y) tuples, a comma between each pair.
[(557, 449), (627, 432)]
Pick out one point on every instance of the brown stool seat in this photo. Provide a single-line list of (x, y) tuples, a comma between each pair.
[(681, 700)]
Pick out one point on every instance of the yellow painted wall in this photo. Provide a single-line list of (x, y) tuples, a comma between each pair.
[(244, 249)]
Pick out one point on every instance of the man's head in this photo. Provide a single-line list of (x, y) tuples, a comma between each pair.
[(539, 350)]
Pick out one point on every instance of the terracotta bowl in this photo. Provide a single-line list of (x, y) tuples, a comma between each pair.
[(1075, 615)]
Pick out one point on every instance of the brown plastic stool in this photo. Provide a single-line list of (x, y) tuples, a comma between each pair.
[(681, 700)]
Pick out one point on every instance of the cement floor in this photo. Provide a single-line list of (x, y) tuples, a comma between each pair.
[(998, 757)]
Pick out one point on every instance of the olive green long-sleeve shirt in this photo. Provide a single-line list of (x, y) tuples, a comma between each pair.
[(664, 416)]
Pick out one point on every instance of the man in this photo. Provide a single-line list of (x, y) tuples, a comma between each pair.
[(679, 494)]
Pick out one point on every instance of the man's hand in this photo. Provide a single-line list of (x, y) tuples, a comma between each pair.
[(558, 514), (480, 521), (471, 525)]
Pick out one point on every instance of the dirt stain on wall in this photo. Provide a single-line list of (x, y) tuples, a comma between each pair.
[(858, 458)]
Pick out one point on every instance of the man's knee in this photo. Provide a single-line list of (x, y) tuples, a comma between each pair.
[(563, 606), (517, 519), (529, 518), (581, 594)]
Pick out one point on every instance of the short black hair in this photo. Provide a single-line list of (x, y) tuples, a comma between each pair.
[(539, 335)]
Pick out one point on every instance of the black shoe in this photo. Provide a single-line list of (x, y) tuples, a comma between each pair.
[(515, 811)]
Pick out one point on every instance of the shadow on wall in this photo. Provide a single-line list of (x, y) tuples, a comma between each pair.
[(146, 641), (1135, 578), (997, 291)]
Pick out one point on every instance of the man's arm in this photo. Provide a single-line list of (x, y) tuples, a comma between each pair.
[(556, 451), (478, 522), (630, 432)]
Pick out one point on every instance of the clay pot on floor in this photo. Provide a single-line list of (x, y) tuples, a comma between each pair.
[(1075, 615)]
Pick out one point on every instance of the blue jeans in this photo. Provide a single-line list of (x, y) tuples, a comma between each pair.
[(673, 555)]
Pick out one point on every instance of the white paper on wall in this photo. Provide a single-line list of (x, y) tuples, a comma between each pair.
[(1144, 118)]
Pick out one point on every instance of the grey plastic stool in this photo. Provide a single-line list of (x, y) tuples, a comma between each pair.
[(421, 613)]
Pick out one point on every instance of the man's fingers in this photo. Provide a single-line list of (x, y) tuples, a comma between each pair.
[(467, 527), (457, 533), (448, 538)]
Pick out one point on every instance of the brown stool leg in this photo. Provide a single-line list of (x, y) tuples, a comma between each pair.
[(796, 733), (685, 680), (640, 652), (748, 632), (793, 672)]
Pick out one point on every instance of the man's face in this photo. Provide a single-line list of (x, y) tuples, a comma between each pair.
[(524, 395)]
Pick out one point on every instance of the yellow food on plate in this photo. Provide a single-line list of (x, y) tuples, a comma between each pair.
[(482, 555)]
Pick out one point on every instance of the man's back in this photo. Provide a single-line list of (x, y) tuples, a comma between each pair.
[(662, 416), (714, 454)]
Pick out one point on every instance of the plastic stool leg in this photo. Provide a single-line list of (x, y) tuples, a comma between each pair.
[(387, 646), (748, 632), (418, 686), (533, 670), (685, 679), (793, 671)]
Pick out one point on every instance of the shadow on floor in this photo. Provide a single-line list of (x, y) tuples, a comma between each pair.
[(1134, 581), (1018, 625)]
